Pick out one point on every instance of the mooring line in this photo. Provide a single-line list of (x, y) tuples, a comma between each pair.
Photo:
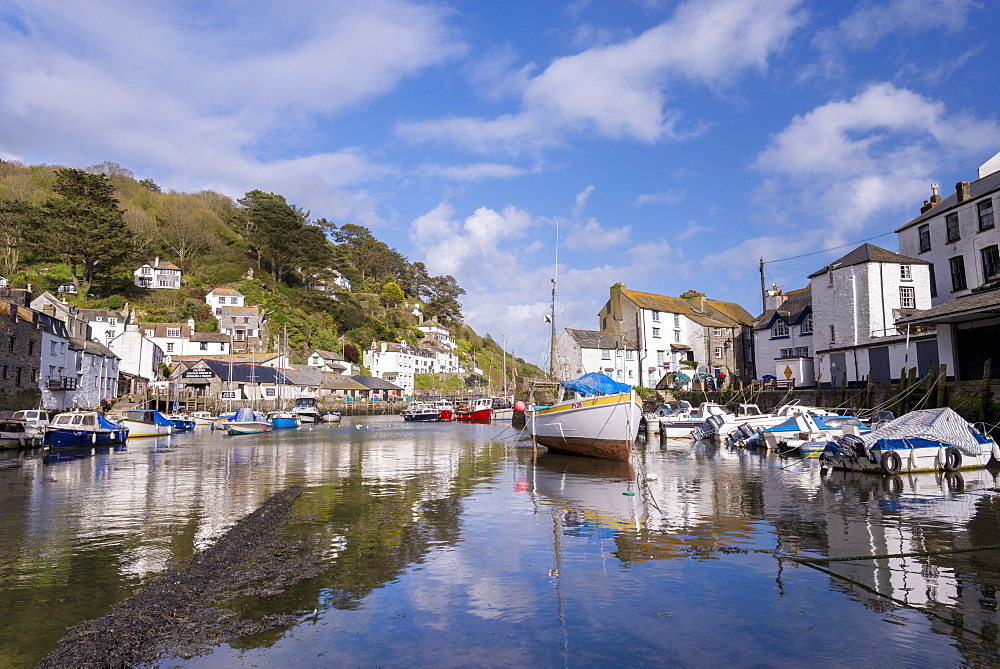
[(887, 556)]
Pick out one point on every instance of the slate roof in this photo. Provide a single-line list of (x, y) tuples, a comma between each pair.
[(209, 336), (103, 314), (339, 382), (977, 189), (658, 302), (330, 355), (229, 292), (243, 372), (967, 307), (375, 383), (732, 311), (91, 347), (791, 310), (603, 340), (869, 253)]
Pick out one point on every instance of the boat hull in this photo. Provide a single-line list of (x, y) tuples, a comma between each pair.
[(599, 427), (140, 428), (330, 417), (934, 457), (285, 423), (479, 416), (65, 438), (253, 427)]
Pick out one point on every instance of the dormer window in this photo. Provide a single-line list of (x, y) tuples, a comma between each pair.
[(98, 318), (779, 329), (173, 332), (807, 325)]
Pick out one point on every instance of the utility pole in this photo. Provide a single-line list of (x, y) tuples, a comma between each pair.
[(763, 289)]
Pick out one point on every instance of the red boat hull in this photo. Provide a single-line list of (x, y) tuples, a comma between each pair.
[(480, 416)]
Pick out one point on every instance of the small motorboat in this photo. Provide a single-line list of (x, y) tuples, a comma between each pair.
[(445, 409), (421, 411), (924, 440), (283, 420), (18, 434), (247, 421), (201, 418), (84, 428), (181, 422), (479, 410), (329, 417), (146, 423), (306, 410)]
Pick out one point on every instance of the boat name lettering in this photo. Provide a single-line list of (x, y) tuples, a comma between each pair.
[(577, 405)]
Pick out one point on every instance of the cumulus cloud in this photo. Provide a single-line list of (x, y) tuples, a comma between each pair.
[(852, 167), (192, 93), (619, 90)]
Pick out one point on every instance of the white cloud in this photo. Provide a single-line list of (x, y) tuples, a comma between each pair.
[(590, 235), (475, 171), (663, 197), (581, 200), (186, 94), (691, 230), (620, 90)]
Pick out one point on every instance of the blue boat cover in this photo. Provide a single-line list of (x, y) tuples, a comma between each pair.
[(105, 424), (244, 415), (596, 383)]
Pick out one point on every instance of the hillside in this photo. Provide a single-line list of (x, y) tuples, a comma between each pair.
[(93, 227)]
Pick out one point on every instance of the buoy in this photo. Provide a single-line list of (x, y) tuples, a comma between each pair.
[(629, 494), (651, 476), (519, 406)]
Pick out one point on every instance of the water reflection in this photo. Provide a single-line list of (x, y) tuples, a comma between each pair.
[(466, 549)]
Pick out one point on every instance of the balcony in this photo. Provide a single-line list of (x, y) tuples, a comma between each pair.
[(61, 383)]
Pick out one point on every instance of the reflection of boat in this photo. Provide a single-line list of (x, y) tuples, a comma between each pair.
[(247, 421), (591, 489), (420, 412), (84, 428), (479, 410), (925, 440), (595, 416), (146, 423)]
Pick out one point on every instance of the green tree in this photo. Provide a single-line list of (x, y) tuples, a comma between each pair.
[(85, 226), (392, 295), (275, 229), (441, 298), (18, 220)]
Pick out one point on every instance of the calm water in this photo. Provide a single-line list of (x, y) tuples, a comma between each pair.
[(450, 544)]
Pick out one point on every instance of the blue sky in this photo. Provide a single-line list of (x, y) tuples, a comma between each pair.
[(671, 143)]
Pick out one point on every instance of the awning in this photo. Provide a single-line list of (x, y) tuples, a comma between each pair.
[(680, 347)]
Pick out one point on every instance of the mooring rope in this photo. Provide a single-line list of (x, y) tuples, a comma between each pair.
[(887, 556)]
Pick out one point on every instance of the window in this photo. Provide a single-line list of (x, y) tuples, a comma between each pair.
[(924, 233), (779, 329), (802, 351), (605, 354), (717, 332), (110, 334), (12, 342), (149, 333), (933, 280), (807, 325), (204, 346), (906, 297), (677, 320), (31, 347), (98, 318), (112, 321), (786, 353), (656, 316), (991, 263), (718, 352), (660, 358), (905, 273), (222, 300), (951, 228), (53, 348), (246, 319), (170, 347), (630, 355), (957, 273), (833, 334), (677, 336), (173, 332), (656, 332), (985, 214)]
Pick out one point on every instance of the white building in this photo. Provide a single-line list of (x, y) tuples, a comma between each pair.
[(783, 337), (398, 363), (105, 324), (856, 303), (181, 339), (58, 377), (580, 352), (328, 361), (668, 330), (140, 356), (97, 373), (958, 236), (434, 330), (218, 298), (158, 275)]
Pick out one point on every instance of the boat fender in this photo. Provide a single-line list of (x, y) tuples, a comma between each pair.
[(890, 462), (20, 438), (940, 458), (93, 437), (996, 452), (952, 459)]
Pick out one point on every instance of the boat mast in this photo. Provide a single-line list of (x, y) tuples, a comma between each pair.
[(552, 315), (504, 352)]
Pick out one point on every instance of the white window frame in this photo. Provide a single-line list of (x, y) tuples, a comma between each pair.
[(718, 352), (779, 329), (907, 297), (656, 332), (905, 273)]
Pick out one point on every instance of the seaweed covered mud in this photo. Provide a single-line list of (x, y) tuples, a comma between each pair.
[(183, 613)]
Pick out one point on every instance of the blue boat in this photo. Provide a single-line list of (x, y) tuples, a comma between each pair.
[(84, 428), (283, 420), (180, 423)]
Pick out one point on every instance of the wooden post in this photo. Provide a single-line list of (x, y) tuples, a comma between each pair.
[(984, 391), (942, 385)]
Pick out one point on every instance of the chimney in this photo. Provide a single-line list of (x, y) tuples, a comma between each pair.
[(617, 315), (695, 299), (156, 263), (963, 191), (933, 202), (191, 324), (774, 298)]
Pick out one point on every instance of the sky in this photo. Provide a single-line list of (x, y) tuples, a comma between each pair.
[(666, 145)]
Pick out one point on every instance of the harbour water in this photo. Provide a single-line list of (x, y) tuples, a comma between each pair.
[(455, 545)]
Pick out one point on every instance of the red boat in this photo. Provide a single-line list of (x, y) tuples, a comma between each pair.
[(479, 411), (446, 409)]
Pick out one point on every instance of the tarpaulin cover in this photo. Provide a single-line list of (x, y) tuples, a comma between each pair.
[(943, 425), (681, 377), (596, 383), (105, 424), (244, 415)]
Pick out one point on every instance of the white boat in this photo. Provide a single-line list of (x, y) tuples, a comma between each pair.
[(283, 420), (685, 418), (751, 416), (808, 434), (203, 418), (247, 421), (595, 416), (306, 410), (18, 434), (925, 440), (420, 412), (330, 417), (37, 418), (445, 409), (146, 423)]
